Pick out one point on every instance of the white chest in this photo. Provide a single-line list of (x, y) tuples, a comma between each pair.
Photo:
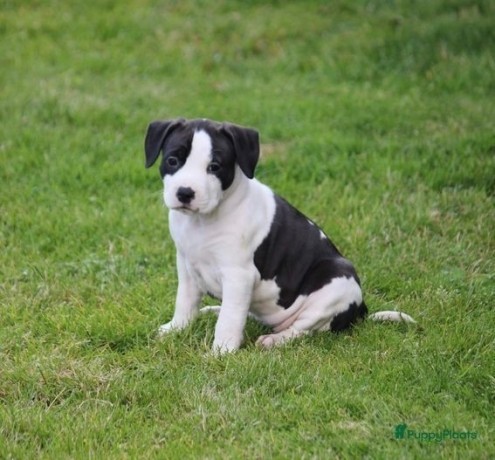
[(216, 245), (207, 275)]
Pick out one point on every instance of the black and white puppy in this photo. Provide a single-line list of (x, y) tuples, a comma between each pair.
[(239, 242)]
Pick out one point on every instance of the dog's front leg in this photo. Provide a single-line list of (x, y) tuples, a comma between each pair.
[(237, 288), (187, 300)]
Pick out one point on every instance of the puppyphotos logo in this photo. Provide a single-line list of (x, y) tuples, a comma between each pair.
[(401, 431)]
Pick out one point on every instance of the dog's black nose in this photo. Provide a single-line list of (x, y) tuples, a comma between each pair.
[(185, 194)]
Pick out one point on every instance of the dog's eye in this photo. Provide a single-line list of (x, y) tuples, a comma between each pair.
[(214, 167), (172, 162)]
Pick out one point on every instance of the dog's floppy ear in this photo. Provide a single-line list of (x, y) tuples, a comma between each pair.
[(246, 145), (155, 137)]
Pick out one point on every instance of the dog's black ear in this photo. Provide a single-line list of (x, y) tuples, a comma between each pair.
[(155, 137), (246, 145)]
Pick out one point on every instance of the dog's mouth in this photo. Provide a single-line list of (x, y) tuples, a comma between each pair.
[(185, 209)]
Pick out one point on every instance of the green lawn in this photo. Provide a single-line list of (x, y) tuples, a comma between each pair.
[(377, 120)]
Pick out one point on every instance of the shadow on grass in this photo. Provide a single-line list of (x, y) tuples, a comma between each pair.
[(122, 343), (199, 336)]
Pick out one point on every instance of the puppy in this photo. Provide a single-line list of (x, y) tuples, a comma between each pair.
[(239, 242)]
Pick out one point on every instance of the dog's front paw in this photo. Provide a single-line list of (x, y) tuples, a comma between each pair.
[(167, 328), (218, 351), (224, 346)]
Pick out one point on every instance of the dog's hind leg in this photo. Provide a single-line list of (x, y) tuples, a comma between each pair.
[(317, 312)]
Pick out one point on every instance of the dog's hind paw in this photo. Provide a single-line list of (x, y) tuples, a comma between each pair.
[(279, 338), (266, 341)]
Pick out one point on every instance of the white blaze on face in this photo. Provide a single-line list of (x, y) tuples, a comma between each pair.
[(193, 174)]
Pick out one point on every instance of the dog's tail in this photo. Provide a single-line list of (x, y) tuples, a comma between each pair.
[(389, 315), (215, 309)]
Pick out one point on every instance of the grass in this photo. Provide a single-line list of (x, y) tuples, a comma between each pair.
[(376, 120)]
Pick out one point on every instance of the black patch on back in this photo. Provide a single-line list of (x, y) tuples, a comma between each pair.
[(294, 253)]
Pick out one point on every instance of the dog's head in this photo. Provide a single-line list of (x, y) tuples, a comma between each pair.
[(200, 160)]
